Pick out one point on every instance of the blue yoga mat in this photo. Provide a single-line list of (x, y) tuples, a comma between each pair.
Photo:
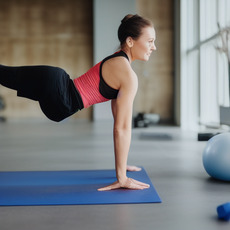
[(70, 188)]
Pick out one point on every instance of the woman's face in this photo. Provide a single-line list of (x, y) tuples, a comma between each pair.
[(144, 45)]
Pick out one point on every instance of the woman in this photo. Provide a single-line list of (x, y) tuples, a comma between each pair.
[(112, 79)]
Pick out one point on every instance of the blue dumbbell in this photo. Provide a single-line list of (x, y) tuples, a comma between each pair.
[(223, 211)]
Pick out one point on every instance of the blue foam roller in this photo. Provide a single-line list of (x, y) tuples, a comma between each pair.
[(223, 211)]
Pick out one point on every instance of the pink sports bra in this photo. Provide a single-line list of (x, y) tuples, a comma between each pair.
[(92, 87)]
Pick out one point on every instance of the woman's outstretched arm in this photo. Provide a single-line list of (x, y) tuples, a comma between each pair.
[(122, 112)]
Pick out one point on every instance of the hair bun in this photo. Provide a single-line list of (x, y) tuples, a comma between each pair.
[(131, 26), (126, 18)]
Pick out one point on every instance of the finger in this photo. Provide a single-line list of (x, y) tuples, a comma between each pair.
[(133, 168), (132, 184), (136, 186), (140, 183), (110, 187)]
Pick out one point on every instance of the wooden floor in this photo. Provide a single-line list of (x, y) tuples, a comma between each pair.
[(171, 157)]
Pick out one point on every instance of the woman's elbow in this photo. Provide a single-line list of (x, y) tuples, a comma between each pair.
[(121, 129)]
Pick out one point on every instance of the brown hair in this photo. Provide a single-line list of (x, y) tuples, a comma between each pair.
[(131, 26)]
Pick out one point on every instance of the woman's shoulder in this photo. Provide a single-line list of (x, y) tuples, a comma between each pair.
[(117, 64), (120, 72), (117, 71)]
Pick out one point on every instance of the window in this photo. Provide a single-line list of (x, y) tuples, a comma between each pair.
[(203, 69)]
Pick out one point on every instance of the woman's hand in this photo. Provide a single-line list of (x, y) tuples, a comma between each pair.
[(128, 184), (132, 168)]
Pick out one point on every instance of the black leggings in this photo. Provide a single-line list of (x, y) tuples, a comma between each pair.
[(50, 86)]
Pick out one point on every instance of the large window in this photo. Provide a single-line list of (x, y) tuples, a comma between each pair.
[(204, 72)]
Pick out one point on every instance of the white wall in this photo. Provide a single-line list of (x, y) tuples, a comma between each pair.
[(107, 17)]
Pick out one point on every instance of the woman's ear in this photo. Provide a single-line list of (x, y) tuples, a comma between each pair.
[(129, 42)]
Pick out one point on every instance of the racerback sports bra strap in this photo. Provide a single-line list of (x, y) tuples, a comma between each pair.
[(106, 90)]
